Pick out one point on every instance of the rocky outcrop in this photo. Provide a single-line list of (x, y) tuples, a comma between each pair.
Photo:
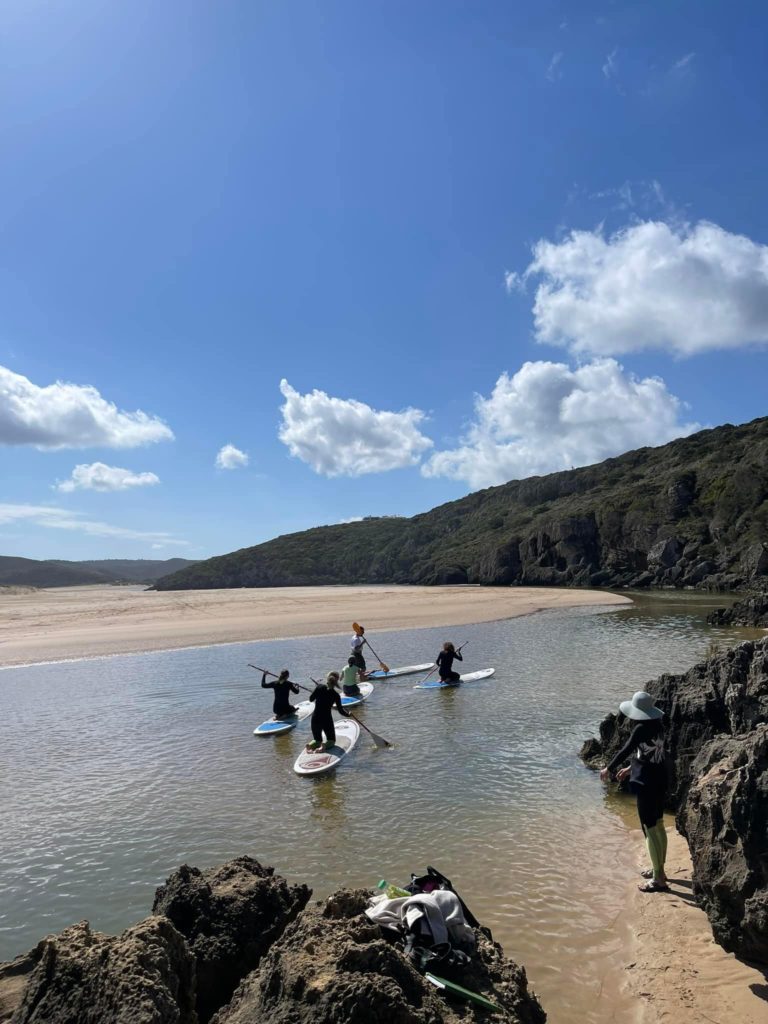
[(242, 925), (144, 976), (688, 514), (753, 611), (230, 916), (717, 720), (725, 819), (333, 967)]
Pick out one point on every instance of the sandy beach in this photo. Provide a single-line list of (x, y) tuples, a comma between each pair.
[(675, 970), (84, 622)]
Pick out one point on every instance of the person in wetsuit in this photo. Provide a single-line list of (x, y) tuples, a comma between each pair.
[(325, 698), (283, 687), (349, 679), (444, 663), (357, 643), (647, 774)]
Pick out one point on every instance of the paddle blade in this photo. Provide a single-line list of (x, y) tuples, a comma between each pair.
[(379, 742)]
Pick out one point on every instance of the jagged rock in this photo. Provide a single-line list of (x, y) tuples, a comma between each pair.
[(753, 611), (666, 552), (230, 915), (755, 560), (144, 976), (333, 967), (725, 819)]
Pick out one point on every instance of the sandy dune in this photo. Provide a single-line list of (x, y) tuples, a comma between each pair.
[(77, 622)]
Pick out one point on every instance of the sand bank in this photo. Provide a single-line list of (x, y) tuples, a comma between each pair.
[(675, 970), (80, 622)]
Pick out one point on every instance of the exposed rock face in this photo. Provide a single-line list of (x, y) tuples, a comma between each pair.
[(725, 819), (753, 611), (333, 967), (717, 748), (230, 916), (144, 976)]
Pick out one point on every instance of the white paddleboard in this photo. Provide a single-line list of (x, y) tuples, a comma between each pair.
[(407, 670), (470, 677), (366, 689), (311, 763), (275, 726)]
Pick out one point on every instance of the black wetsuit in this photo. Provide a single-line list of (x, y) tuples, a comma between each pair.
[(283, 689), (445, 665), (325, 699), (648, 776)]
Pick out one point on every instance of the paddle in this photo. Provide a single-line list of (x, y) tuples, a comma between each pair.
[(426, 677), (268, 673), (384, 667), (379, 741)]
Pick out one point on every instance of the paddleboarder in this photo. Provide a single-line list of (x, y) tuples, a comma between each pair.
[(648, 780), (444, 662), (349, 679), (325, 697), (357, 643), (283, 687)]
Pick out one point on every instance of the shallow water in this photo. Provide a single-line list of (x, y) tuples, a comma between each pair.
[(114, 771)]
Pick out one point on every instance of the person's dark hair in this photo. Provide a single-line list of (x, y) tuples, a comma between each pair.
[(351, 661), (284, 674), (448, 646)]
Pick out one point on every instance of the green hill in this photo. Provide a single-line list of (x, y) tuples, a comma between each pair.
[(693, 513), (31, 572)]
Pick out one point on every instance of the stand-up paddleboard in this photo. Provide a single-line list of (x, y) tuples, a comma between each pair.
[(276, 726), (366, 689), (311, 763), (470, 677), (407, 670)]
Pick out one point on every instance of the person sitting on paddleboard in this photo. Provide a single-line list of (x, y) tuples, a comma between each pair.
[(357, 643), (349, 679), (444, 663), (283, 687), (325, 698)]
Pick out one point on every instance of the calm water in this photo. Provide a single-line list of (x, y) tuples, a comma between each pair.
[(114, 771)]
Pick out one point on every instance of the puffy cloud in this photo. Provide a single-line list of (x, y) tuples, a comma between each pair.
[(554, 72), (343, 437), (49, 516), (98, 476), (652, 285), (550, 417), (230, 457), (65, 415)]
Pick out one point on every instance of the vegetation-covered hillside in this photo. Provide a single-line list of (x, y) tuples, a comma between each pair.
[(691, 513), (30, 572)]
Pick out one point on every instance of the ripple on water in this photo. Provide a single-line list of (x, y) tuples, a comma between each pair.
[(112, 772)]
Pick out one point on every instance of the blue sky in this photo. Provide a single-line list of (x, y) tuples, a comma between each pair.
[(477, 241)]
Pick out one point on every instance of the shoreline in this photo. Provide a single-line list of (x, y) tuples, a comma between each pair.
[(55, 625), (674, 969)]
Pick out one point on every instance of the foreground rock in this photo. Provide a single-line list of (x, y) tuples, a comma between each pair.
[(144, 976), (240, 924), (717, 716), (230, 916), (752, 611), (333, 967)]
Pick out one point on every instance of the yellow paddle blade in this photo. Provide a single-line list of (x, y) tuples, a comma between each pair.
[(357, 628)]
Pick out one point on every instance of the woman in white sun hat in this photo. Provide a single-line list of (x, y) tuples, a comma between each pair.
[(647, 773)]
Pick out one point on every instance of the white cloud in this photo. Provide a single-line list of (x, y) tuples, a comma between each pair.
[(352, 519), (97, 476), (611, 65), (554, 72), (549, 417), (49, 516), (63, 415), (652, 285), (683, 65), (343, 437), (230, 457)]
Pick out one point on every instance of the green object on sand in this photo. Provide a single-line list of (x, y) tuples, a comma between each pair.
[(451, 988)]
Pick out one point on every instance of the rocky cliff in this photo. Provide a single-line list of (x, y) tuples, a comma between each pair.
[(717, 744), (238, 945), (753, 611), (693, 513)]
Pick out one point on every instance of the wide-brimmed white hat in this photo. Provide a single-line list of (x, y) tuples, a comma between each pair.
[(641, 708)]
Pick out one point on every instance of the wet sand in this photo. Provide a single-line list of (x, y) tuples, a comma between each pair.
[(675, 970), (83, 622)]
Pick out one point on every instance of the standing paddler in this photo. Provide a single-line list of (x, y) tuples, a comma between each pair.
[(326, 698), (357, 643)]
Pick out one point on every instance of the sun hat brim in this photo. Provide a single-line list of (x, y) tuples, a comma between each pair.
[(637, 714)]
